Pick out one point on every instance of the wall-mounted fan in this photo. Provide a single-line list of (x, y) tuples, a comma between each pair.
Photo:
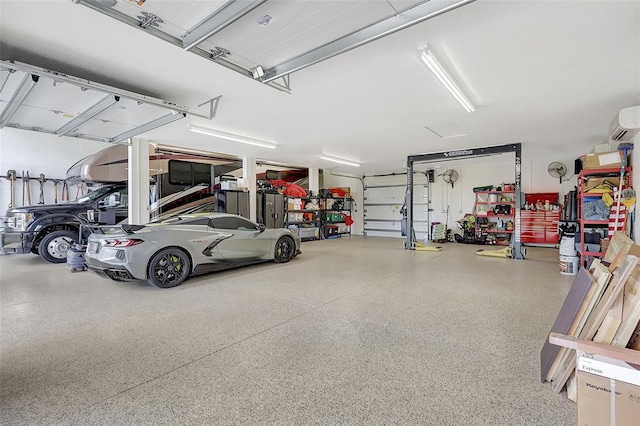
[(557, 170), (450, 176)]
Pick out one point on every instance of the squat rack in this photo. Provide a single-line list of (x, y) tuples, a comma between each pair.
[(516, 148)]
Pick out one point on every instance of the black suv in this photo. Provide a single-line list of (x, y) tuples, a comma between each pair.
[(49, 230)]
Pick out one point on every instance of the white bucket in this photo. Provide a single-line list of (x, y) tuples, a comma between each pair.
[(569, 265), (568, 246)]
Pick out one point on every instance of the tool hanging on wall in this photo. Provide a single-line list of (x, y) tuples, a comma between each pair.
[(23, 188), (55, 190), (80, 190), (11, 175), (41, 180), (65, 191), (28, 188)]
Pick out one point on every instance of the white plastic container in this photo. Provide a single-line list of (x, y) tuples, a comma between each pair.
[(569, 265), (568, 246)]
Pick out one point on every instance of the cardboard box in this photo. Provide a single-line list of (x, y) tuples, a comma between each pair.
[(602, 160), (608, 367), (608, 391), (605, 401), (294, 204)]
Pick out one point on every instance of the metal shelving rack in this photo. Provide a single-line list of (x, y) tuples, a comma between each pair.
[(484, 208), (326, 224), (290, 219), (584, 224)]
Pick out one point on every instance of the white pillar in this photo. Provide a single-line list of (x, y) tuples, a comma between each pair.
[(138, 187), (249, 176), (314, 180)]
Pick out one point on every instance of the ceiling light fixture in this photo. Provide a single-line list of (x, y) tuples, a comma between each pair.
[(257, 72), (231, 137), (339, 160), (441, 74)]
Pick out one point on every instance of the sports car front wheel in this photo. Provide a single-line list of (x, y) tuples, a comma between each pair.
[(285, 249), (168, 268)]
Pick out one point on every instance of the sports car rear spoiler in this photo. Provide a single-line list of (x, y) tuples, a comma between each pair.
[(126, 228)]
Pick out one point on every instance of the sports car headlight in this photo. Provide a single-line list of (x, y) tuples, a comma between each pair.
[(19, 221), (123, 242)]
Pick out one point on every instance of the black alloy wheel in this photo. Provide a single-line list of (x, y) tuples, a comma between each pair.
[(168, 268), (285, 249)]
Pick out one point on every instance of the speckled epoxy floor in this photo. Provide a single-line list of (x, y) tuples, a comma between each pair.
[(353, 331)]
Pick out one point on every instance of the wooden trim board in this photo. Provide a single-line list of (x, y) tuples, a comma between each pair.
[(623, 354)]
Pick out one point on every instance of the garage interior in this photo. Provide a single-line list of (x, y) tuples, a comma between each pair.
[(362, 329)]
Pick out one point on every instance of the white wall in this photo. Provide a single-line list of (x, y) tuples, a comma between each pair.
[(39, 153), (492, 170)]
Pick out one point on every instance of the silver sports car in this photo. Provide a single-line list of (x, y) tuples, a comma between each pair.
[(166, 253)]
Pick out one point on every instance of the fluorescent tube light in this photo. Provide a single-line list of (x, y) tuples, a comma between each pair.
[(232, 137), (339, 160), (441, 74)]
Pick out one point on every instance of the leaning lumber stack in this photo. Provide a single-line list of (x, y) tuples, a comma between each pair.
[(603, 305)]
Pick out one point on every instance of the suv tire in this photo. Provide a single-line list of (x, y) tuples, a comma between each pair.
[(53, 247)]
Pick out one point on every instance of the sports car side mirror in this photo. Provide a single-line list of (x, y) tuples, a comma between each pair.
[(261, 227)]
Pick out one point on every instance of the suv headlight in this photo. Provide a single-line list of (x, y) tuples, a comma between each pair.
[(19, 221)]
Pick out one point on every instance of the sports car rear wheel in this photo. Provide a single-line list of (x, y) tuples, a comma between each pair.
[(168, 268), (285, 249)]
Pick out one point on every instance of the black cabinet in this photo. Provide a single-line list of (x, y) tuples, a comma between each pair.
[(270, 210), (234, 202)]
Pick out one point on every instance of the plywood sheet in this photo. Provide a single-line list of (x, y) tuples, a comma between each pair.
[(572, 303)]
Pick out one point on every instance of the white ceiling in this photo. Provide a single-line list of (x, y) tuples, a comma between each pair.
[(548, 74)]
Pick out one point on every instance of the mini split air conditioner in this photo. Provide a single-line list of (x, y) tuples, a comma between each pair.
[(625, 124)]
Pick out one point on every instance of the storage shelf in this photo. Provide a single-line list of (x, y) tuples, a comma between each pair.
[(602, 172), (593, 194), (496, 202), (583, 197), (484, 209), (594, 222), (495, 192)]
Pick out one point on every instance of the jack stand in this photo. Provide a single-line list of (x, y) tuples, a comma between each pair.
[(418, 246), (503, 252), (506, 252)]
